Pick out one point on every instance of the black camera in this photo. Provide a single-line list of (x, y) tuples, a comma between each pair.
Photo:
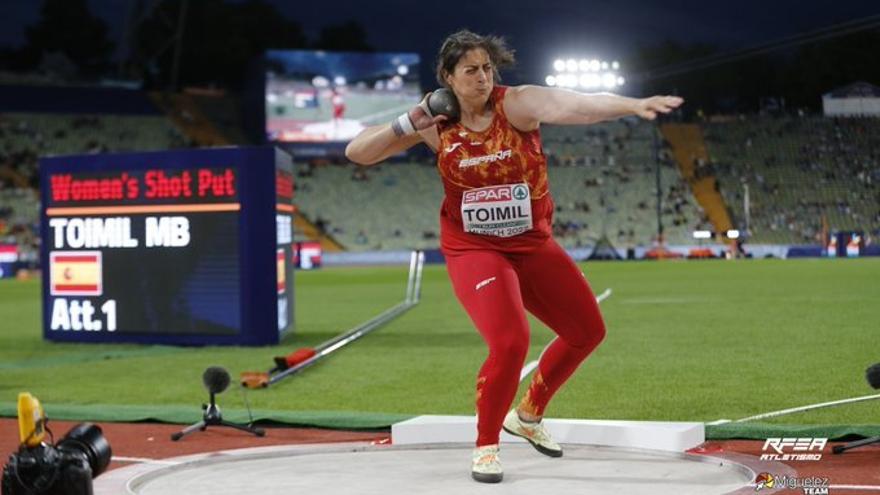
[(66, 468)]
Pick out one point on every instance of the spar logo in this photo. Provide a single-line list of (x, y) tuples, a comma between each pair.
[(520, 192), (491, 193), (793, 449)]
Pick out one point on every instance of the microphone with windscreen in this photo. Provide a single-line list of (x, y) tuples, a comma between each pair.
[(216, 380)]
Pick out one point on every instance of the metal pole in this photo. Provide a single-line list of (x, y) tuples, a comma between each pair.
[(417, 291), (414, 281), (410, 281)]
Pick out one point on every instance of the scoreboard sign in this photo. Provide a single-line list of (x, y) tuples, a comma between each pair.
[(179, 247)]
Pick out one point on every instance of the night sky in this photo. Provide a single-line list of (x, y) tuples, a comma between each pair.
[(540, 30)]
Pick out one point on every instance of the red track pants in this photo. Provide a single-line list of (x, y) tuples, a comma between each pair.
[(496, 289)]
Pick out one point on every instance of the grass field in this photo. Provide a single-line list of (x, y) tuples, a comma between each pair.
[(693, 341)]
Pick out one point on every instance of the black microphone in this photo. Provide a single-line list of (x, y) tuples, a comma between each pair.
[(216, 379), (872, 374)]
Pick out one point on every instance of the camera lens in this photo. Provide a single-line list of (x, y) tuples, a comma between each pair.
[(88, 440)]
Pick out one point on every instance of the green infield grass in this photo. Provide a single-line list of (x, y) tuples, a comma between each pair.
[(687, 341)]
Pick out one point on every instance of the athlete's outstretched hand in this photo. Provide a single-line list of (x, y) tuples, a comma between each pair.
[(648, 108)]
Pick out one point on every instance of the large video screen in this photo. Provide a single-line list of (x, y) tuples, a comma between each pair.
[(329, 97)]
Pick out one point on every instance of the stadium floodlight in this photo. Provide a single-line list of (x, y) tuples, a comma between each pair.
[(339, 81), (402, 70), (608, 80), (702, 234), (584, 73), (320, 82), (733, 234)]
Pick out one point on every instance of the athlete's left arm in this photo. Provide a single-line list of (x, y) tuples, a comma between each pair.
[(529, 106)]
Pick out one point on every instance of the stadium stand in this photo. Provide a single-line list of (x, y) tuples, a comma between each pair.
[(807, 175), (604, 182), (389, 206), (602, 177), (24, 137), (39, 121), (45, 120), (689, 150)]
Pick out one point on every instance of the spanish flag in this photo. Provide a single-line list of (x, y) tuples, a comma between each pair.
[(75, 273), (282, 269)]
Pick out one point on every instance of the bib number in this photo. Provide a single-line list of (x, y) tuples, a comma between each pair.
[(501, 211)]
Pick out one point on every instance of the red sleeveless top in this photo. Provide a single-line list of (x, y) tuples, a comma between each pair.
[(499, 155)]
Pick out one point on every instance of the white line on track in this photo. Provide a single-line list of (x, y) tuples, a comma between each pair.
[(144, 460), (854, 487), (793, 410)]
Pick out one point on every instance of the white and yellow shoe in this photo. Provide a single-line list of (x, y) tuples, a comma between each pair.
[(487, 466), (535, 433)]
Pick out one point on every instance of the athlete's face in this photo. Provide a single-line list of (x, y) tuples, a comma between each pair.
[(473, 76)]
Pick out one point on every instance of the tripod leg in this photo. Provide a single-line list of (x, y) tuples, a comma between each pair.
[(189, 429), (858, 443), (250, 429)]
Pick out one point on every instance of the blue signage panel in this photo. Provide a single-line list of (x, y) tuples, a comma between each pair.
[(174, 247)]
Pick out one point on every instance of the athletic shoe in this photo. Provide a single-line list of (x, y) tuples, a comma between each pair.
[(535, 433), (487, 466)]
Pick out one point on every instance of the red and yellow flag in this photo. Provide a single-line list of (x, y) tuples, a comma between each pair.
[(75, 273)]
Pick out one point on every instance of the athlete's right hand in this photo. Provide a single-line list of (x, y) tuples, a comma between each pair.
[(421, 117), (418, 118)]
